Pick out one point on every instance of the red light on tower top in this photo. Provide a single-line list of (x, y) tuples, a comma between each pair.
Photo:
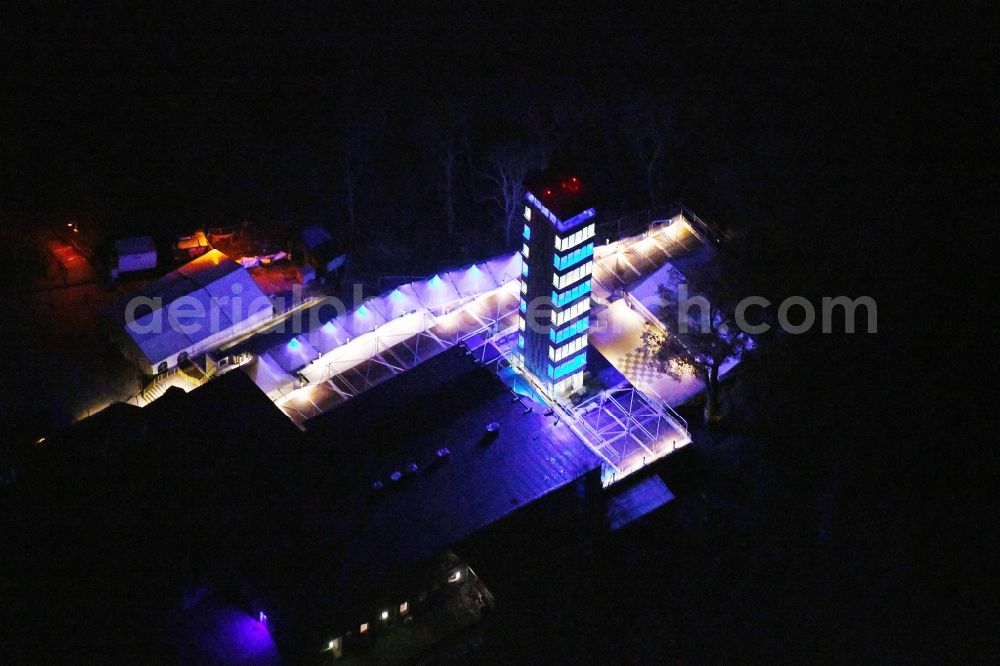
[(572, 185), (560, 191)]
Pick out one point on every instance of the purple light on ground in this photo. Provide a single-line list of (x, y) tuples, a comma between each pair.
[(247, 640), (216, 632)]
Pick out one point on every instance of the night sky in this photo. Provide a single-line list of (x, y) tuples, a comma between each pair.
[(804, 131)]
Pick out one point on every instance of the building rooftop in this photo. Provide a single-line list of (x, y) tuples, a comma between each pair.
[(134, 245), (224, 419), (213, 283), (370, 540), (560, 191)]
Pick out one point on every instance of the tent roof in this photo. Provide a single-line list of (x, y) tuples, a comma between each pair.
[(472, 280), (212, 283), (436, 292), (294, 354), (328, 337), (362, 319), (397, 302), (267, 374), (506, 267)]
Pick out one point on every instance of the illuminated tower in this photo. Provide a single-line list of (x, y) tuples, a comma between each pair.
[(558, 255)]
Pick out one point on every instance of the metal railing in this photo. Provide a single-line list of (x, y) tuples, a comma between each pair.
[(640, 221)]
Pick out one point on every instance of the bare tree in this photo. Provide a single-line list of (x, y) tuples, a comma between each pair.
[(362, 135), (506, 167), (650, 128), (444, 132)]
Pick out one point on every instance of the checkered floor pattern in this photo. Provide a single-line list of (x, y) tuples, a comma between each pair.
[(640, 366)]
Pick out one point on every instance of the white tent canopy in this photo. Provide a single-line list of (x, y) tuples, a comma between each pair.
[(362, 319), (193, 309), (268, 375), (472, 280), (328, 337), (353, 337), (294, 354), (397, 302), (505, 268), (436, 293)]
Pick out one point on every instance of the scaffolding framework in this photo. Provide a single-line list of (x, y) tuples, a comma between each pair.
[(628, 430)]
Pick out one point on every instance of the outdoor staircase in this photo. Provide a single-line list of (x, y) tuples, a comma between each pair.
[(157, 387), (189, 375)]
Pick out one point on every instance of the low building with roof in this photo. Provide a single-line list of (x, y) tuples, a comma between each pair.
[(137, 253), (400, 476), (322, 252), (194, 309)]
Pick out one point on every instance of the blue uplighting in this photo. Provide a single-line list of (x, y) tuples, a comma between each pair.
[(574, 257), (570, 366), (570, 331), (293, 344), (527, 232), (541, 207), (520, 341), (362, 311), (576, 220), (524, 306), (435, 281), (396, 295), (560, 299), (562, 226)]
